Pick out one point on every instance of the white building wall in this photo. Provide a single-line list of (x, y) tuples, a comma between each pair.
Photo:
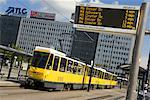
[(113, 50), (46, 33)]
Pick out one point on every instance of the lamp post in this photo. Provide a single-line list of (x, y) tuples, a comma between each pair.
[(92, 64), (89, 85), (131, 92)]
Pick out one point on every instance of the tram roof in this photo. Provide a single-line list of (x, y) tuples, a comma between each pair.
[(101, 69), (57, 53), (50, 50)]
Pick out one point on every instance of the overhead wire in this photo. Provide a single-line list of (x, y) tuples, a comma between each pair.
[(44, 1)]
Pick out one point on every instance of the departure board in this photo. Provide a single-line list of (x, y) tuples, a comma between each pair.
[(107, 17)]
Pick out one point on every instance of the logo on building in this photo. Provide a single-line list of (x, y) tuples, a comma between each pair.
[(42, 15), (22, 12)]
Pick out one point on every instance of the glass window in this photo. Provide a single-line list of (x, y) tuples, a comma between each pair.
[(88, 71), (106, 75), (95, 73), (80, 69), (62, 64), (75, 67), (56, 61), (69, 66), (49, 66), (98, 74), (39, 59)]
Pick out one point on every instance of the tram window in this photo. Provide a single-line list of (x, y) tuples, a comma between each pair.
[(111, 77), (94, 72), (115, 78), (75, 67), (39, 59), (80, 69), (102, 75), (69, 66), (63, 64), (50, 62), (89, 71), (106, 75), (98, 73), (56, 61)]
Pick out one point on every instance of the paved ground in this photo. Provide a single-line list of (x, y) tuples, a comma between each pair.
[(14, 72), (10, 90), (15, 93)]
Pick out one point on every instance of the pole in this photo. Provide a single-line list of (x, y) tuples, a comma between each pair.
[(1, 66), (131, 92), (92, 63), (89, 85), (11, 66)]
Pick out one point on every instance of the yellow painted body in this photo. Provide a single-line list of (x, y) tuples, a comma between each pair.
[(64, 77), (49, 75)]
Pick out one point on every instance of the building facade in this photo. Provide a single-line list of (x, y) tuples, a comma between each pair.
[(9, 26), (114, 50), (84, 46), (109, 50), (37, 32)]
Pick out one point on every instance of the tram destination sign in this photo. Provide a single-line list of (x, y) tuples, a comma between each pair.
[(116, 18)]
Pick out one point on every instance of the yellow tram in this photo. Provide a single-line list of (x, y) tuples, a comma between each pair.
[(53, 69)]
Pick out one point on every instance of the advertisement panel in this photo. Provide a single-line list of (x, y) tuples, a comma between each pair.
[(42, 15)]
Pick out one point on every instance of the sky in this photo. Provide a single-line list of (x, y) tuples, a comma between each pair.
[(64, 8)]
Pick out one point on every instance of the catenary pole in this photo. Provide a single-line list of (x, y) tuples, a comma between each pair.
[(131, 92)]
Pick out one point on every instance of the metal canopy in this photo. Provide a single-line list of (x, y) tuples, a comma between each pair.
[(126, 68), (15, 51)]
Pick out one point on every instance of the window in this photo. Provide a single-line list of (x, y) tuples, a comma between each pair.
[(39, 59), (69, 66), (62, 64), (88, 71), (80, 69), (75, 67), (101, 74), (56, 61), (106, 76), (50, 62)]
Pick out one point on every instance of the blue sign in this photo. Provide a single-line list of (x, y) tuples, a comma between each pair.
[(16, 11)]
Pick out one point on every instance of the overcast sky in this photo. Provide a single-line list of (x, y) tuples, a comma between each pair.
[(64, 8)]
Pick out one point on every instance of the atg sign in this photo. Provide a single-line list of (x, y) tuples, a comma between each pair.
[(16, 11)]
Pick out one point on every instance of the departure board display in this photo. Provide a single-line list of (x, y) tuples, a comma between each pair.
[(107, 17)]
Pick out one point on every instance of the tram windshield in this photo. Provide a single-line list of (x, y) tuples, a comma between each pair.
[(39, 59)]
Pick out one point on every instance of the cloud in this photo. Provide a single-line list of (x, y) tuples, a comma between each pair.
[(62, 8), (2, 1)]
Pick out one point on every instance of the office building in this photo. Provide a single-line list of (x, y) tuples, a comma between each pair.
[(9, 26), (114, 50), (38, 32), (110, 50), (84, 46)]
